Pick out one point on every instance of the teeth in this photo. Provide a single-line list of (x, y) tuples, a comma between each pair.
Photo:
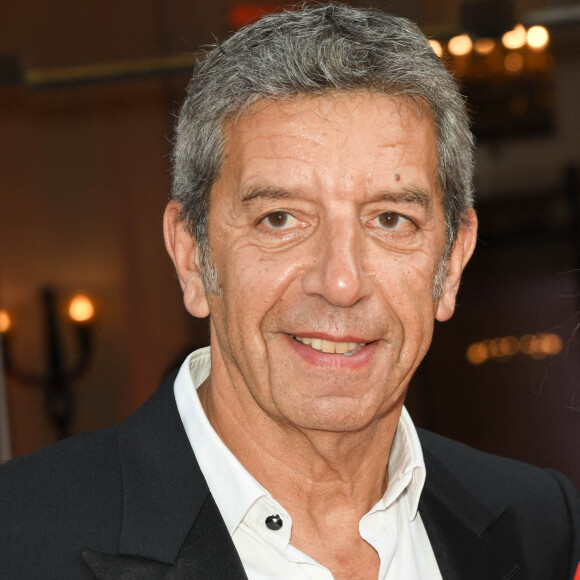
[(329, 347)]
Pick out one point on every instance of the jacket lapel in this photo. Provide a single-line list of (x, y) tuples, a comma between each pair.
[(171, 527), (207, 554), (468, 539)]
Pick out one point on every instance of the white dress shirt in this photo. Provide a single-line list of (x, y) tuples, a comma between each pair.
[(393, 526)]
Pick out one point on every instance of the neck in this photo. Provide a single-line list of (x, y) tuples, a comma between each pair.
[(311, 473)]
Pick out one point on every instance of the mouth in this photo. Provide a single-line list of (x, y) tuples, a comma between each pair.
[(330, 347)]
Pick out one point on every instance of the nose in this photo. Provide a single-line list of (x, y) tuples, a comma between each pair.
[(337, 271)]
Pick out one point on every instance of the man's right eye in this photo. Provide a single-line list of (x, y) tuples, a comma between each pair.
[(280, 220)]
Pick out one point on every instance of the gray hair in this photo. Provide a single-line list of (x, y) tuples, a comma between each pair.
[(315, 50)]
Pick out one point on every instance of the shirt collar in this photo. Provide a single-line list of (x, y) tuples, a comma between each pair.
[(234, 489), (406, 465)]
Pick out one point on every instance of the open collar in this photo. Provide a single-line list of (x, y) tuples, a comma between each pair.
[(233, 488), (236, 491)]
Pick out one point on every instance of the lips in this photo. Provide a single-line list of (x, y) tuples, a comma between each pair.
[(331, 347)]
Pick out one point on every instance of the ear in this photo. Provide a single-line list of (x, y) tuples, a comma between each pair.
[(460, 253), (184, 251)]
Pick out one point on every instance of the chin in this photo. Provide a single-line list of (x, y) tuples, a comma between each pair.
[(332, 414)]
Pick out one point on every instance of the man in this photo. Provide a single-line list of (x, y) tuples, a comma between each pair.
[(322, 217)]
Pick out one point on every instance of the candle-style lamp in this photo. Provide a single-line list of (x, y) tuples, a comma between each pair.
[(82, 312), (5, 325), (57, 382), (5, 443), (5, 322)]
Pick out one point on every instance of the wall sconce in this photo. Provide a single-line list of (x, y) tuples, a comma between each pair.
[(56, 383)]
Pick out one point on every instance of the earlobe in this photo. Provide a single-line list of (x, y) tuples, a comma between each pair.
[(460, 254), (184, 252)]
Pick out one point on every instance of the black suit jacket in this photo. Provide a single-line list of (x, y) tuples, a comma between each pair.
[(129, 502)]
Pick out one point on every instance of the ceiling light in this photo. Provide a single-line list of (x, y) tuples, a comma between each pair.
[(484, 45), (537, 37), (514, 39), (437, 48), (460, 45)]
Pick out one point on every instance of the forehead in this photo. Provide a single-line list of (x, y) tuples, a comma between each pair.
[(337, 139)]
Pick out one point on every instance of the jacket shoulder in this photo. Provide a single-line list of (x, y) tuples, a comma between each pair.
[(492, 476), (57, 500), (545, 504)]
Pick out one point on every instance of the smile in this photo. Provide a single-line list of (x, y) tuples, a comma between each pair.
[(330, 347)]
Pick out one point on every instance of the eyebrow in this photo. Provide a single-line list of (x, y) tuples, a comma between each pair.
[(411, 195), (264, 192), (414, 195)]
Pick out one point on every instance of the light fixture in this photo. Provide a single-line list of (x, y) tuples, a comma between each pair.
[(537, 37), (484, 46), (537, 346), (436, 46), (477, 353), (81, 309), (514, 39), (5, 321), (460, 45), (56, 382)]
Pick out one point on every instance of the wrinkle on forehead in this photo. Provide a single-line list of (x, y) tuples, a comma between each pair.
[(291, 130), (337, 109)]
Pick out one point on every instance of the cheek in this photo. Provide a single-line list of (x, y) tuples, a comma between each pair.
[(406, 279), (253, 285), (407, 290)]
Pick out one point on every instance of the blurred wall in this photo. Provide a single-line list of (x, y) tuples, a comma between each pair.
[(84, 181)]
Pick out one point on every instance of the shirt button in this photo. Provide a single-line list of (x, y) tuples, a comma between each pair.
[(274, 522)]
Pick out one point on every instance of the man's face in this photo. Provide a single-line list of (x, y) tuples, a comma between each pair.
[(326, 227)]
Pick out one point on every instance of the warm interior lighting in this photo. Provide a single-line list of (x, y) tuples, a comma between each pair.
[(81, 309), (477, 353), (514, 39), (513, 62), (502, 347), (244, 13), (437, 48), (537, 346), (484, 45), (460, 45), (541, 345), (537, 37), (4, 321)]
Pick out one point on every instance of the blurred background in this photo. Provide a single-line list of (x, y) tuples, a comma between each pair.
[(88, 94)]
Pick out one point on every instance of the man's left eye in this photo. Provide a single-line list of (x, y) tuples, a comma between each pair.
[(392, 221), (280, 220)]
